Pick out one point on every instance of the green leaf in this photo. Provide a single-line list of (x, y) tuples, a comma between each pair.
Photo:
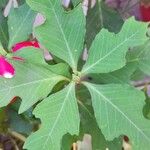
[(63, 32), (122, 75), (108, 50), (100, 16), (59, 116), (75, 2), (18, 123), (28, 53), (20, 24), (3, 3), (118, 110), (146, 108), (89, 125), (67, 141), (141, 55), (138, 75), (4, 38), (3, 118), (32, 82), (116, 144)]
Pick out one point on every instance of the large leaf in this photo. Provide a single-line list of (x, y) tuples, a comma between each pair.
[(89, 125), (101, 16), (141, 55), (20, 24), (118, 110), (33, 81), (59, 116), (108, 50), (63, 32)]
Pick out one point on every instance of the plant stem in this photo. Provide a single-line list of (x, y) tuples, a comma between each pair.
[(17, 135)]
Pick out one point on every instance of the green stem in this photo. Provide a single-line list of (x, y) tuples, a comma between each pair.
[(3, 52)]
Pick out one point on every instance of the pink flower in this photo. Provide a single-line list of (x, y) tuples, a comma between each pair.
[(6, 69), (21, 45)]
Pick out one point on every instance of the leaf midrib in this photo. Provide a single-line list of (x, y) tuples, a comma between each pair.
[(58, 116), (33, 82), (64, 37)]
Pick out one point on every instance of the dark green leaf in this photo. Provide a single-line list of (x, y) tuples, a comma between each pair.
[(100, 16), (20, 24)]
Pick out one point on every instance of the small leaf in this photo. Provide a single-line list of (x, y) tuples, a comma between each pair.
[(63, 32), (108, 50), (59, 116), (118, 110), (20, 24)]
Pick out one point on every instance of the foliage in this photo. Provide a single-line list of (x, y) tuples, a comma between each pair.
[(63, 100)]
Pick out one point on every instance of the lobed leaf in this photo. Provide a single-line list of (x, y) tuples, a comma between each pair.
[(59, 115), (118, 110), (108, 50), (63, 32), (33, 81)]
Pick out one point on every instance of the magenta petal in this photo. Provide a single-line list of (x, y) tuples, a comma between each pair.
[(24, 44), (6, 69)]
